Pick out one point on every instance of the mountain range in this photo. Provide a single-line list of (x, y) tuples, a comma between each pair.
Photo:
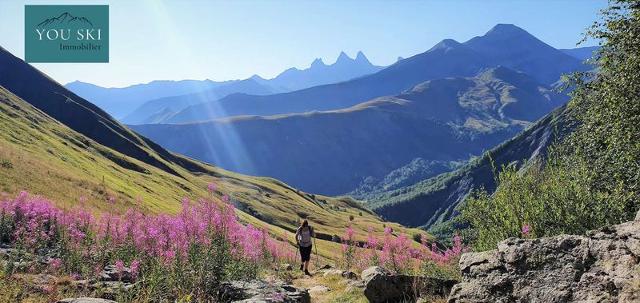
[(331, 152), (155, 101), (506, 45)]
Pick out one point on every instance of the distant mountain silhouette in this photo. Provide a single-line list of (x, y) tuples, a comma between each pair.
[(332, 152), (319, 73), (505, 45), (157, 110), (64, 18), (120, 101), (449, 58), (581, 53)]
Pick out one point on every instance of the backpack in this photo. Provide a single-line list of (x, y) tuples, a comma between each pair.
[(305, 236)]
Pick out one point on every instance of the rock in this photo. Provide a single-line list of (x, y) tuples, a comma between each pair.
[(287, 267), (111, 289), (638, 216), (318, 289), (261, 291), (326, 266), (110, 273), (602, 266), (382, 286), (85, 300), (349, 275), (332, 272)]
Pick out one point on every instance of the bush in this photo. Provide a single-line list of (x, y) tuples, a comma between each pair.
[(539, 202), (593, 178)]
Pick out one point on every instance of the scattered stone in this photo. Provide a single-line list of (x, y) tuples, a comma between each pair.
[(261, 291), (326, 266), (332, 272), (349, 275), (318, 289), (602, 266), (110, 273), (382, 286), (85, 300)]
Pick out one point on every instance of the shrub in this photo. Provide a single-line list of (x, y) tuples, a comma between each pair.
[(539, 201)]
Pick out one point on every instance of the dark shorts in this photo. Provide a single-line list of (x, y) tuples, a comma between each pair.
[(305, 253)]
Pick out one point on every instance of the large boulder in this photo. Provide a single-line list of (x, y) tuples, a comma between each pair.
[(261, 291), (602, 266), (382, 286)]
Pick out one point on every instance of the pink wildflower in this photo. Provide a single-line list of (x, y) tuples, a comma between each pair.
[(212, 187), (55, 264), (120, 266), (526, 229), (135, 268)]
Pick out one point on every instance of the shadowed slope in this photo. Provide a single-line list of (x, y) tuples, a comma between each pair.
[(434, 200), (331, 152)]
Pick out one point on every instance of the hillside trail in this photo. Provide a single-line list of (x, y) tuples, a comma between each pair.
[(327, 284)]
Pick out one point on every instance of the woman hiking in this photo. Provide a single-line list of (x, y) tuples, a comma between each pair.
[(304, 235)]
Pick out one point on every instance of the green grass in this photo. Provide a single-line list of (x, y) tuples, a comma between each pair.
[(45, 157)]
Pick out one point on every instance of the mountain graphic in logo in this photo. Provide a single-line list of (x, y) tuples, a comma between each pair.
[(64, 19)]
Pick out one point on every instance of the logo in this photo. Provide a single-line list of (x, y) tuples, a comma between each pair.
[(66, 33)]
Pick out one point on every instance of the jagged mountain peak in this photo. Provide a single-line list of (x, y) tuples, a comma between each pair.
[(343, 58), (317, 62), (360, 57)]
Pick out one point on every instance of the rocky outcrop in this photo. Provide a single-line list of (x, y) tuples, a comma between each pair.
[(602, 266), (260, 291), (381, 286)]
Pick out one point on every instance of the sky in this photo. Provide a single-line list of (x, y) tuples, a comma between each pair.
[(225, 40)]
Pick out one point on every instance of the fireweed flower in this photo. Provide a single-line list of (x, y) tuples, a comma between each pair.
[(169, 239), (526, 229), (211, 187), (120, 266), (55, 264)]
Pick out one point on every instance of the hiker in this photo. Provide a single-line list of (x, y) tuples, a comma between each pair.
[(303, 237)]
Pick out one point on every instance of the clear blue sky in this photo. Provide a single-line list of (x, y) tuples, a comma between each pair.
[(224, 40)]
